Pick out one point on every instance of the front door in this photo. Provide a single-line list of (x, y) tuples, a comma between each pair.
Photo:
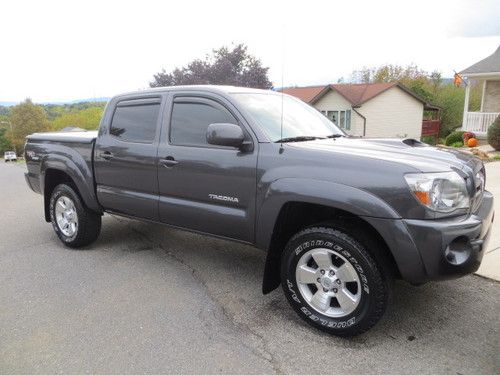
[(125, 158), (204, 187)]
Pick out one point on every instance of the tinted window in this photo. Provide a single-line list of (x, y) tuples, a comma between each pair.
[(135, 123), (190, 121)]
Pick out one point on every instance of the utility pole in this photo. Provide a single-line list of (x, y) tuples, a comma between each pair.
[(10, 124)]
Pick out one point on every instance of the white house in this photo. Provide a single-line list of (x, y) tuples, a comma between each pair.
[(371, 110), (487, 72)]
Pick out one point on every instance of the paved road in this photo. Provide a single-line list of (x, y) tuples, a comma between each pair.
[(147, 299)]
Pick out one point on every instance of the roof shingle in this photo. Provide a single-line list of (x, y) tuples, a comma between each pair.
[(355, 93), (306, 94), (491, 64), (358, 94)]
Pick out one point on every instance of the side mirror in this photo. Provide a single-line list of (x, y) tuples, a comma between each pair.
[(222, 134)]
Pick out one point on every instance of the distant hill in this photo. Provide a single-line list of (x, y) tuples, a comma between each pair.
[(88, 100), (8, 104)]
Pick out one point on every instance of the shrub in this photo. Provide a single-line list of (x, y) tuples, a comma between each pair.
[(494, 134), (457, 144), (430, 140), (455, 137), (472, 142)]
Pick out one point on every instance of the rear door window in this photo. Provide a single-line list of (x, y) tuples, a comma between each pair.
[(135, 123)]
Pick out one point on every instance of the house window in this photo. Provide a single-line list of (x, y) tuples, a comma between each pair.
[(340, 118)]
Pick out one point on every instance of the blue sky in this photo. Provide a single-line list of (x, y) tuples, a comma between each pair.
[(65, 50)]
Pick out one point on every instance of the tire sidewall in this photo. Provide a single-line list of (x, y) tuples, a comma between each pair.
[(296, 248), (59, 191)]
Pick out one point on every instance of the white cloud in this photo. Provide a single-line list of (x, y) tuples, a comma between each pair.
[(62, 50)]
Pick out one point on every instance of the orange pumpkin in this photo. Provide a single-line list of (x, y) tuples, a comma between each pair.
[(472, 142)]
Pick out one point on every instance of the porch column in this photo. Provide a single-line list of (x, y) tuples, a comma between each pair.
[(482, 95), (466, 106)]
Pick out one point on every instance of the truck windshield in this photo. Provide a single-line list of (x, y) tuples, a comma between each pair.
[(300, 121)]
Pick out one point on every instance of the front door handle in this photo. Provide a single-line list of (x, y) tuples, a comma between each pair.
[(169, 162), (106, 155)]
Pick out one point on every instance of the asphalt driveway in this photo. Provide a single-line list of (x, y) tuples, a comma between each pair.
[(148, 299)]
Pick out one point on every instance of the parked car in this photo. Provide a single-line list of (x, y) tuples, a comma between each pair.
[(339, 217), (9, 156)]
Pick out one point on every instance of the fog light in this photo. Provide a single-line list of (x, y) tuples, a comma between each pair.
[(458, 251)]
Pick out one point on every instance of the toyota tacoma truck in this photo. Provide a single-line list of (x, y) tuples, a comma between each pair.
[(339, 217)]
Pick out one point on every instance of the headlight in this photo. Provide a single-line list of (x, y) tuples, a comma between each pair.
[(442, 192)]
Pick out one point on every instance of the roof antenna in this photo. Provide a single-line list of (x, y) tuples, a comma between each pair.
[(282, 85)]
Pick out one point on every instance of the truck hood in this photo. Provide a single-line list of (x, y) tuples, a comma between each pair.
[(409, 152)]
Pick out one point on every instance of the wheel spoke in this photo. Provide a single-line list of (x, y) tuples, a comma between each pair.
[(306, 275), (346, 273), (322, 258), (346, 300), (321, 301), (62, 204)]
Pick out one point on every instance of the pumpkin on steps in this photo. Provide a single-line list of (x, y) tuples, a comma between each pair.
[(472, 142)]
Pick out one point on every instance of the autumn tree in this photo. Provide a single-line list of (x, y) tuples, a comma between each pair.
[(26, 118), (224, 67)]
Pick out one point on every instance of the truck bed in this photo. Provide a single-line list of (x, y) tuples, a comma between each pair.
[(70, 152)]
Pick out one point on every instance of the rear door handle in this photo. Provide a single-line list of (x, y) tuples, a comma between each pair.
[(106, 155), (169, 162)]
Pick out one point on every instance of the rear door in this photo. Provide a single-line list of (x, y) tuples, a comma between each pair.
[(205, 187), (125, 158)]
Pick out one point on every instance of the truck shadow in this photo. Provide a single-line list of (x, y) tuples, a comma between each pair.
[(232, 276)]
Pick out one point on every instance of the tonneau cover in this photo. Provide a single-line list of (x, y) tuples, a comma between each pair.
[(74, 137)]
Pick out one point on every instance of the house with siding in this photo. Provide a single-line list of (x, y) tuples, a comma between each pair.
[(487, 74), (371, 110)]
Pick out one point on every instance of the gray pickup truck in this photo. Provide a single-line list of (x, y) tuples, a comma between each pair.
[(340, 217)]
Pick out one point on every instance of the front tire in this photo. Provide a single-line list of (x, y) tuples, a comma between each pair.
[(74, 224), (333, 282)]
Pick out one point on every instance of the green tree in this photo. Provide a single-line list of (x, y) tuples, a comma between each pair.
[(224, 67), (88, 119), (4, 141), (26, 118), (56, 110)]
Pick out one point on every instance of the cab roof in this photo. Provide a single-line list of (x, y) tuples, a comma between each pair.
[(209, 88)]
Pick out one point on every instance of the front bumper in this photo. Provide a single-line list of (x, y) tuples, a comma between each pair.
[(451, 248)]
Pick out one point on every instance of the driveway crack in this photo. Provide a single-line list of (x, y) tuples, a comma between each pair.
[(265, 352)]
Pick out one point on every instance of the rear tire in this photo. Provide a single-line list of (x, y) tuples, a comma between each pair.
[(333, 282), (74, 224)]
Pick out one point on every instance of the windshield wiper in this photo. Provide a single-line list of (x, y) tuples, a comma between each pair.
[(338, 135), (300, 138)]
